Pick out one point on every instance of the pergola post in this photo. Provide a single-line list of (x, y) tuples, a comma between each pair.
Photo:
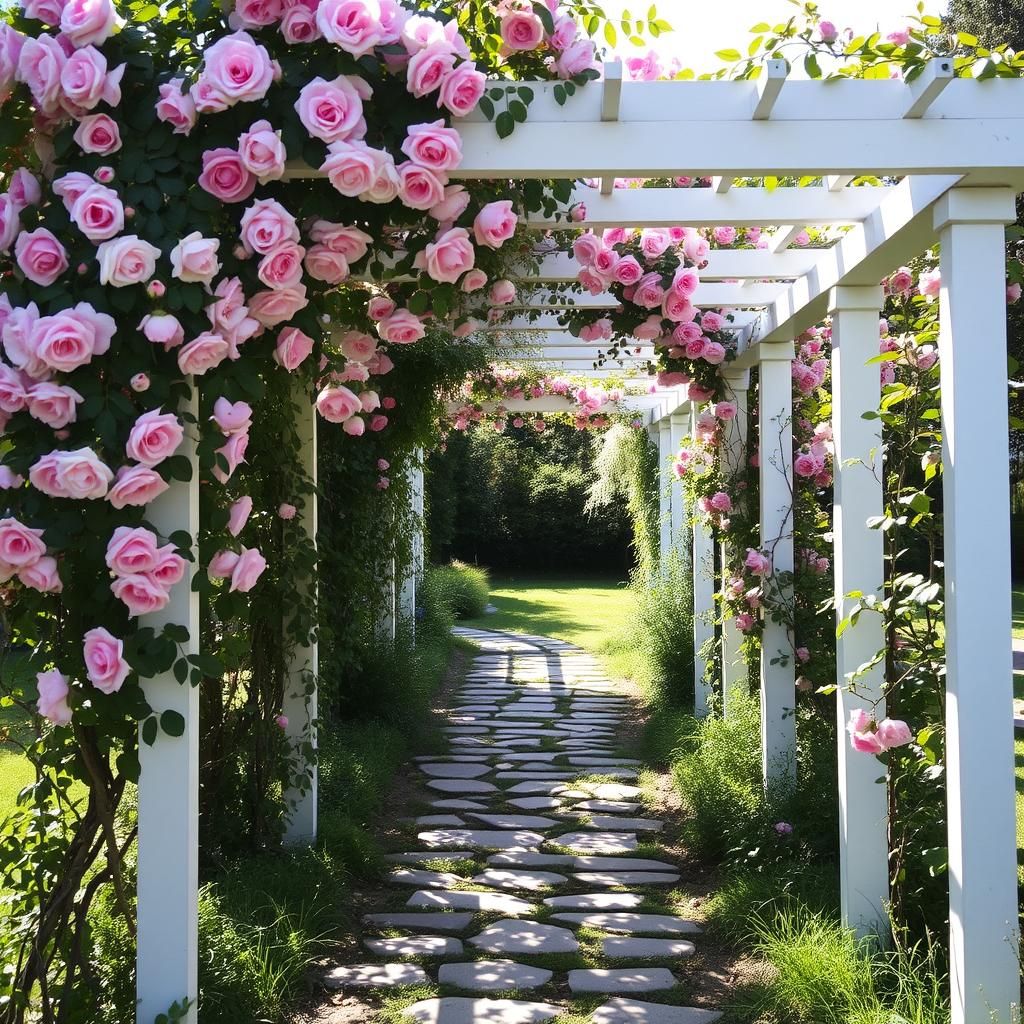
[(664, 428), (984, 968), (301, 672), (167, 949), (775, 419), (859, 567), (407, 593), (680, 423), (419, 544), (733, 451), (703, 603)]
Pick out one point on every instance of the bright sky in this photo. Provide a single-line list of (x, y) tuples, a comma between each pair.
[(701, 28)]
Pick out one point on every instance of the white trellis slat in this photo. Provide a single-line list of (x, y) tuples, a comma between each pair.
[(299, 706), (858, 565), (167, 878), (775, 418), (733, 454), (703, 603), (984, 937)]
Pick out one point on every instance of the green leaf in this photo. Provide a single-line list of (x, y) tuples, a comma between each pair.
[(486, 108), (504, 124), (559, 94), (729, 55), (149, 730), (181, 670), (419, 302), (172, 723), (518, 111), (610, 35)]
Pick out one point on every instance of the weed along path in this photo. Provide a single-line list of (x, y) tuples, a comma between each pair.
[(534, 886)]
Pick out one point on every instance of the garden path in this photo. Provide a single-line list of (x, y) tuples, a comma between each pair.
[(538, 883)]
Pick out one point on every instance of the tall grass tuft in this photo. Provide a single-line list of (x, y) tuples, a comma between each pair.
[(465, 589)]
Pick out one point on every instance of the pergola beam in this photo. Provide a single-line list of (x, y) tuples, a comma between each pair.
[(768, 86), (925, 89)]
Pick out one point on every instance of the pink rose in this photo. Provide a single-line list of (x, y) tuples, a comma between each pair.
[(169, 568), (298, 24), (247, 570), (1013, 292), (24, 188), (724, 235), (40, 256), (136, 486), (202, 354), (233, 451), (10, 221), (235, 69), (358, 346), (452, 207), (495, 224), (711, 321), (262, 152), (42, 576), (369, 401), (162, 329), (175, 107), (350, 242), (433, 145), (714, 353), (13, 395), (401, 328), (725, 410), (286, 511), (20, 545), (461, 89), (380, 307), (98, 133), (79, 474), (232, 417), (576, 58), (449, 257), (685, 281), (351, 167), (126, 260), (354, 426), (222, 565), (333, 111), (522, 30), (131, 550), (428, 68), (98, 212), (649, 292), (71, 338), (502, 293), (141, 594), (53, 687), (292, 348), (53, 404), (628, 271), (194, 258), (893, 733), (323, 264), (239, 515), (140, 382), (9, 480), (353, 25), (88, 22), (336, 404), (282, 266), (104, 660), (258, 13), (473, 281), (267, 224), (226, 177), (930, 283), (85, 81), (757, 563), (586, 247), (154, 437), (827, 32), (274, 307), (419, 188), (47, 11), (744, 622)]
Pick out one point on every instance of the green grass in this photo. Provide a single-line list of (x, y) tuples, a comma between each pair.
[(1018, 611)]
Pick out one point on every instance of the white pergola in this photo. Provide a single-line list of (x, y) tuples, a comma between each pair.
[(952, 153)]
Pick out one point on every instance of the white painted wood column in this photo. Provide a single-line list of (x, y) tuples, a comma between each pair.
[(984, 968), (167, 950), (664, 428), (419, 547), (302, 670), (407, 593), (775, 418), (703, 601), (857, 497), (733, 456), (387, 624), (680, 423)]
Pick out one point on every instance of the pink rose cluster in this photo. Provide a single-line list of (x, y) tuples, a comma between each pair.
[(870, 737), (243, 568), (143, 571), (523, 30), (23, 554)]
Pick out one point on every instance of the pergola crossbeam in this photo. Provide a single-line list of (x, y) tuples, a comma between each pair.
[(925, 89), (769, 85)]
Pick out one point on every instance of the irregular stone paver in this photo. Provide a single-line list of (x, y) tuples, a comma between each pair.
[(514, 820), (460, 770), (499, 839), (458, 805), (620, 864), (639, 979), (525, 937), (462, 786), (421, 878), (631, 1011), (537, 803), (463, 1010), (596, 901), (438, 820), (538, 786), (632, 923), (613, 878), (647, 949), (523, 858), (415, 945), (433, 922), (375, 976), (488, 902), (597, 842), (626, 824), (493, 975), (533, 881), (614, 791), (418, 856)]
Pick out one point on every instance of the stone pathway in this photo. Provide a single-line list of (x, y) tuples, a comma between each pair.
[(534, 876)]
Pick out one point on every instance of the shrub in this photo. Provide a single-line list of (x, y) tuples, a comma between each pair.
[(465, 589)]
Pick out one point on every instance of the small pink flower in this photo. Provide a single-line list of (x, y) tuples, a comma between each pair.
[(140, 382), (53, 687), (281, 721), (286, 511)]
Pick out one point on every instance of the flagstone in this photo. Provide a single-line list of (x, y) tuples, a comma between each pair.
[(493, 976), (374, 976), (485, 902), (417, 856), (632, 979), (629, 824), (514, 820), (597, 842), (619, 1010), (415, 945), (420, 877), (596, 901), (465, 1010), (632, 923), (525, 937), (462, 786), (488, 839), (646, 949), (440, 922), (534, 881), (524, 858), (537, 803)]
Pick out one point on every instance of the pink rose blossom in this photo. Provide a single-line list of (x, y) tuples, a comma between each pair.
[(281, 721), (141, 594), (233, 452), (257, 14), (135, 486), (757, 563), (10, 480), (1013, 292), (40, 64), (267, 224), (744, 622), (247, 570), (54, 688), (202, 353), (53, 404), (461, 89), (282, 266), (353, 25), (428, 68), (286, 511), (827, 32), (576, 58), (262, 152), (140, 382), (40, 256), (501, 293), (298, 24), (104, 660), (71, 338), (225, 176), (98, 133), (126, 260), (495, 224), (452, 207), (273, 307), (236, 69), (98, 212), (473, 281), (42, 576), (154, 437), (358, 345), (449, 257), (20, 545), (132, 550), (222, 565), (350, 242), (85, 81), (419, 188), (162, 329), (175, 107), (893, 733), (239, 515), (232, 417), (292, 348), (354, 426), (433, 145), (522, 30), (333, 111), (194, 258), (337, 404), (401, 328), (88, 22)]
